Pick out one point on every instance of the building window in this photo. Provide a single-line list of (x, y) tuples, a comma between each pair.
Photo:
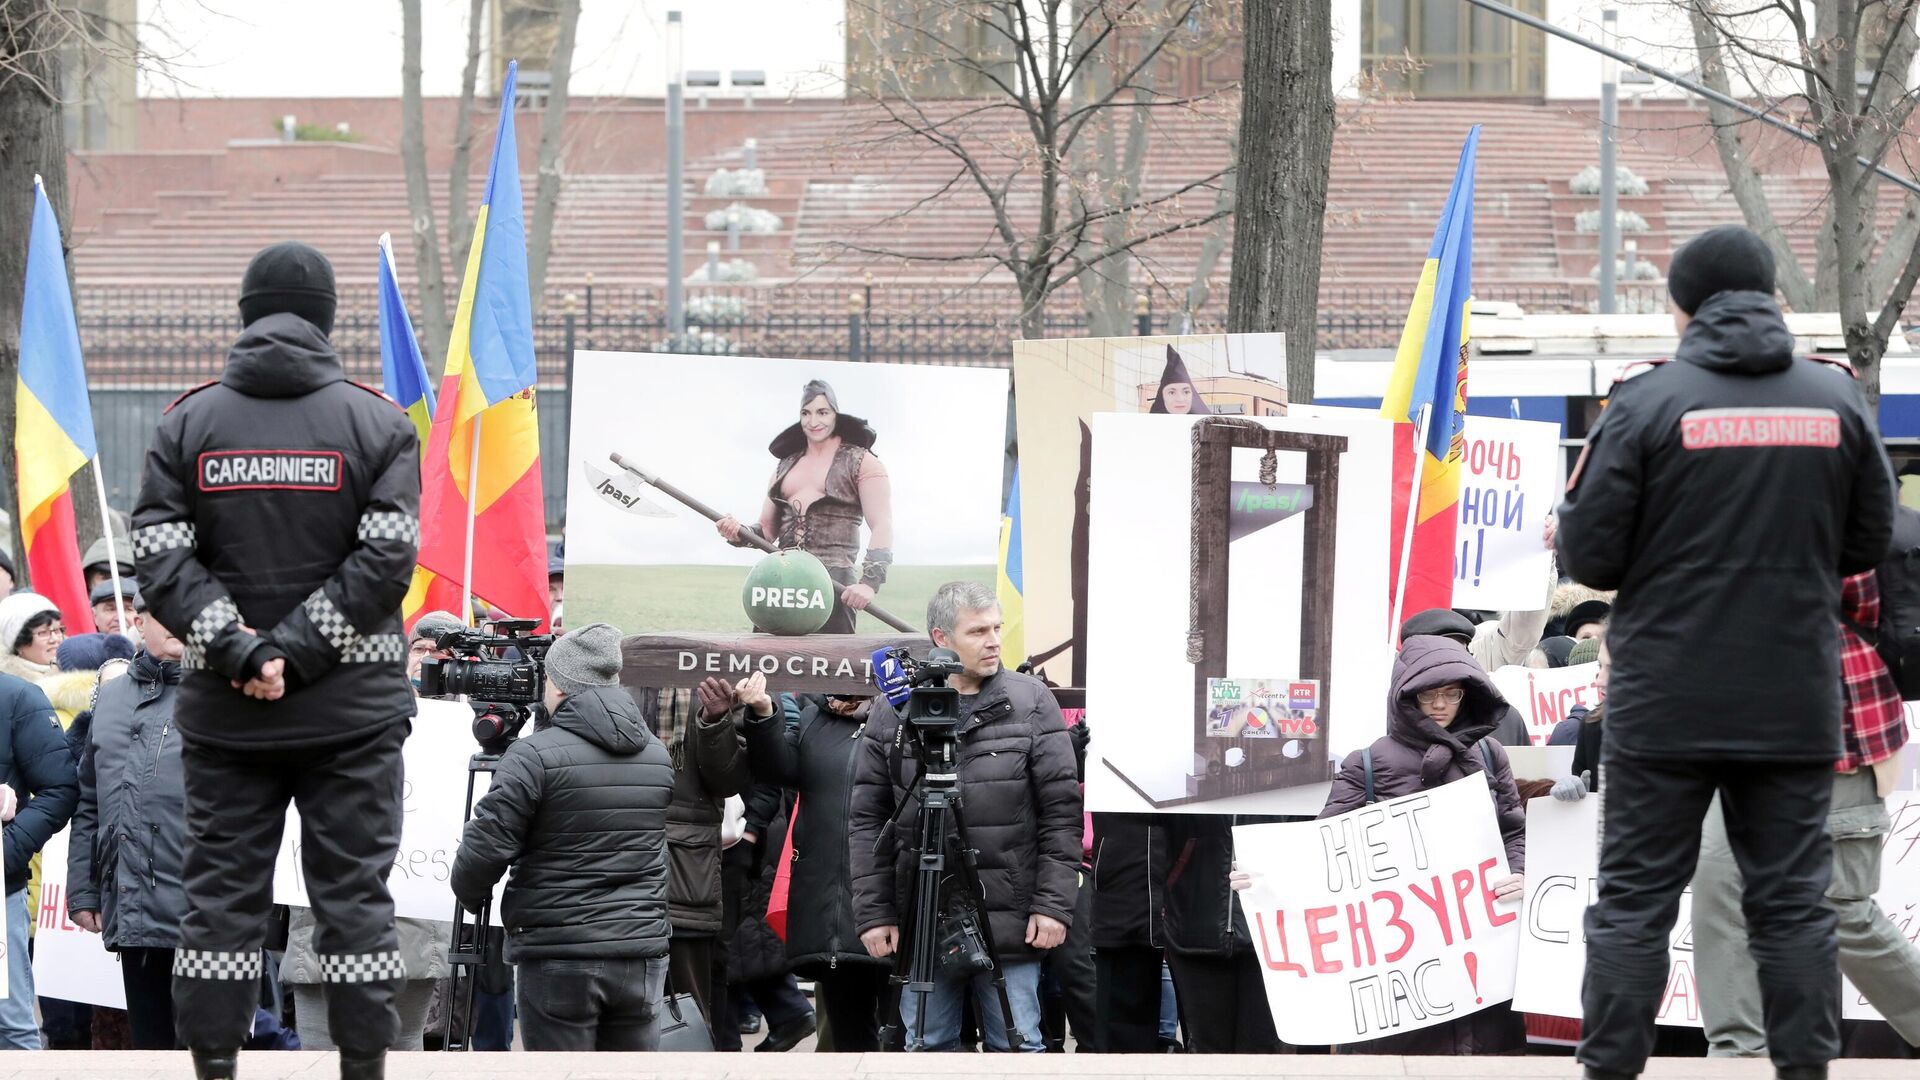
[(1458, 50)]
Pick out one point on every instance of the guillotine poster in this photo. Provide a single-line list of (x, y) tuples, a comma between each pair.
[(1237, 647), (906, 498), (1060, 384)]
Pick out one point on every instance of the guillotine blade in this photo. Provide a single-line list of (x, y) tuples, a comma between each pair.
[(1256, 506)]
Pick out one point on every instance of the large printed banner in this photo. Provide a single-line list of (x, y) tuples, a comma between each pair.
[(1381, 920), (1509, 483), (1545, 696), (1562, 881), (434, 801), (69, 964)]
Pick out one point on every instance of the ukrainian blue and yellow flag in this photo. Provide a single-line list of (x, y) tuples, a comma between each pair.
[(53, 422), (1430, 371), (1010, 582), (403, 371)]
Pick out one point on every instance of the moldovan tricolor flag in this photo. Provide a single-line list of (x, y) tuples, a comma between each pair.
[(1430, 369), (53, 422), (1009, 585), (486, 397), (403, 372)]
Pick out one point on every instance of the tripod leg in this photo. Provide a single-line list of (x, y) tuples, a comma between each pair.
[(970, 883)]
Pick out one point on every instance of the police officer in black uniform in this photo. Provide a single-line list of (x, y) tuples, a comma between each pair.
[(1724, 494), (277, 528)]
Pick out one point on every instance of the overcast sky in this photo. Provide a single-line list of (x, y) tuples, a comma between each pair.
[(351, 48)]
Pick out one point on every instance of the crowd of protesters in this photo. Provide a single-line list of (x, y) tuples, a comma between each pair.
[(684, 869)]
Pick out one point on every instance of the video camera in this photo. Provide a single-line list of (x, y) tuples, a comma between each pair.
[(931, 705), (503, 688)]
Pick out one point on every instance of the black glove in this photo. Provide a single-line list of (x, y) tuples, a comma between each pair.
[(1081, 737)]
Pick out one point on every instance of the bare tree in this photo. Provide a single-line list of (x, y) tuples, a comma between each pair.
[(1846, 63), (435, 326), (546, 196), (1041, 79), (459, 224), (1284, 158)]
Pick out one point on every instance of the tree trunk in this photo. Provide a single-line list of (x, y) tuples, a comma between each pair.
[(546, 198), (435, 327), (32, 140), (1743, 180), (459, 225), (1285, 152)]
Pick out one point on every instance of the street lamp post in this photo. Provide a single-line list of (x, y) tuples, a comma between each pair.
[(676, 209), (1609, 167)]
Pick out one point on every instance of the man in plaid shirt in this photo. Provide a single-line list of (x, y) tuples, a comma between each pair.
[(1873, 952)]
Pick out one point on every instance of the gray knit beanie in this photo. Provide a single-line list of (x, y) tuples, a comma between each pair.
[(586, 658), (819, 388), (435, 623)]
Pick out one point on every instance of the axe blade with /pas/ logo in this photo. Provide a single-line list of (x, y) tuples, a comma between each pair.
[(623, 492)]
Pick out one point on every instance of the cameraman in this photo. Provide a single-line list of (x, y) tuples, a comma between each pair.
[(1021, 806), (579, 810)]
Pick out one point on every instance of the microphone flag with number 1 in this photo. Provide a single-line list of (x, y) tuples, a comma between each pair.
[(487, 391), (53, 423), (1430, 369)]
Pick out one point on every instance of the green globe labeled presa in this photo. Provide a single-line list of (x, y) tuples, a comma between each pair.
[(788, 593)]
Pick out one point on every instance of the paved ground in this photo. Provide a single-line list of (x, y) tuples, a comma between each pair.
[(524, 1066)]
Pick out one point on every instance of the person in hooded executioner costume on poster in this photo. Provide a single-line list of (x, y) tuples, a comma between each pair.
[(828, 481)]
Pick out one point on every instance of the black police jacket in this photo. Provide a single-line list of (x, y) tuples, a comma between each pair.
[(279, 517), (1725, 495)]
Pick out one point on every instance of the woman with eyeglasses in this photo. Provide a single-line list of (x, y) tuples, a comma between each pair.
[(31, 630), (1441, 714)]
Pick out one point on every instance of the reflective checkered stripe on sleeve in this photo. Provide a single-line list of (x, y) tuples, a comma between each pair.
[(167, 536), (222, 966), (207, 625), (376, 649), (387, 525), (362, 967), (330, 621)]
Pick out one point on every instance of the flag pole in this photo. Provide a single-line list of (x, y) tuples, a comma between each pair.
[(113, 552), (1420, 432), (473, 511)]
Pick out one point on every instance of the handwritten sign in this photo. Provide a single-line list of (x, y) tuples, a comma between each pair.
[(1544, 696), (69, 963), (1563, 880), (1381, 920), (1507, 486), (434, 807)]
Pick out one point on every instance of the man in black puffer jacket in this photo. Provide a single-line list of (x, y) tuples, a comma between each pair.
[(579, 810), (1735, 486), (1022, 808), (276, 533)]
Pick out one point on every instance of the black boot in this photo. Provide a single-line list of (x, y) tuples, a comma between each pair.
[(373, 1068), (1801, 1072), (1609, 1074), (215, 1064)]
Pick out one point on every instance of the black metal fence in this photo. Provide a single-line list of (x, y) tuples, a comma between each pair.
[(146, 346)]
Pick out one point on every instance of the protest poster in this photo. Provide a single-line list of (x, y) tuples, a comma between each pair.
[(1059, 385), (1382, 920), (433, 803), (1563, 881), (1546, 696), (1241, 584), (69, 964), (1508, 484), (663, 445)]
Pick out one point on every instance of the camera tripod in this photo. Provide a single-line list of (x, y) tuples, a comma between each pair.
[(917, 958), (465, 958)]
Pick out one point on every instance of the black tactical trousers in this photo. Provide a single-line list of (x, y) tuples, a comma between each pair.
[(349, 797), (1650, 843)]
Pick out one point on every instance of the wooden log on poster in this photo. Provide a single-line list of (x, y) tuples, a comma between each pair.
[(813, 664)]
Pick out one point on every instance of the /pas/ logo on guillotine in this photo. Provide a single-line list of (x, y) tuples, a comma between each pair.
[(1381, 920)]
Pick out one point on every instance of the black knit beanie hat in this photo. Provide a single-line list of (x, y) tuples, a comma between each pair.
[(1724, 259), (289, 277)]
